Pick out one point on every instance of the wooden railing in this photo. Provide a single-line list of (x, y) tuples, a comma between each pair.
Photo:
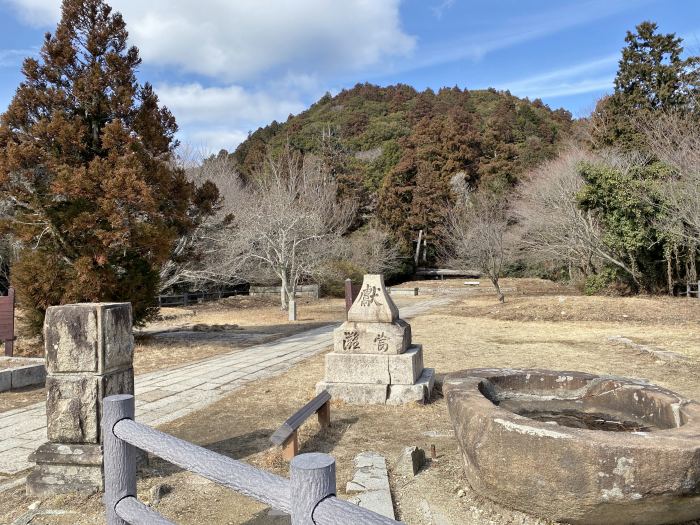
[(308, 495), (286, 435)]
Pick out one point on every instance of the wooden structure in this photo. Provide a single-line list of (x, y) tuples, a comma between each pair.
[(7, 321), (351, 291), (689, 291), (308, 495), (286, 435), (445, 272)]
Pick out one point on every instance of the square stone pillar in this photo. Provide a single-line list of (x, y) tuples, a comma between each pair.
[(89, 355)]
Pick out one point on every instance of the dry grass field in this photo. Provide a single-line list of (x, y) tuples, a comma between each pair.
[(541, 325)]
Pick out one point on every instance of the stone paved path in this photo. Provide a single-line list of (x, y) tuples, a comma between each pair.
[(165, 395)]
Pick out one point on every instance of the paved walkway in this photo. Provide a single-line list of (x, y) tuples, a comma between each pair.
[(165, 395)]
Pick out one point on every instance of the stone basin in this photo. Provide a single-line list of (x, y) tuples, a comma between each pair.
[(576, 447)]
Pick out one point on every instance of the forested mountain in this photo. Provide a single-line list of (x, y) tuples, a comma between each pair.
[(401, 153)]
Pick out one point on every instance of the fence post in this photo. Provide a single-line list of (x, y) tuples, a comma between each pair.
[(312, 479), (119, 456), (348, 296)]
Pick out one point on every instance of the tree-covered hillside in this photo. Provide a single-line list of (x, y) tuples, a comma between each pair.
[(401, 154)]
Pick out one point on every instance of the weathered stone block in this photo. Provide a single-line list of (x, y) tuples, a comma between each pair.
[(410, 461), (118, 339), (406, 368), (373, 304), (121, 382), (418, 393), (71, 409), (88, 337), (355, 393), (63, 468), (372, 338), (28, 375), (357, 368), (71, 338), (5, 380)]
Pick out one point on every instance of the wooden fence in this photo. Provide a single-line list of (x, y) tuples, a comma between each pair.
[(308, 495), (7, 321), (190, 298), (689, 291)]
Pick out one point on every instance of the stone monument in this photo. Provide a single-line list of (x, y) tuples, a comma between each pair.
[(373, 359), (89, 355)]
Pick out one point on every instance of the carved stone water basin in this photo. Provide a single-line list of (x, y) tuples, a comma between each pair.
[(576, 447)]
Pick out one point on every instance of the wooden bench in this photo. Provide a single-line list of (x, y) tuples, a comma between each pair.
[(286, 435), (7, 321)]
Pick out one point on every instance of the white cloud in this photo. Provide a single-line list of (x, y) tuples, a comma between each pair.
[(237, 41), (212, 118), (194, 103), (36, 13), (586, 77)]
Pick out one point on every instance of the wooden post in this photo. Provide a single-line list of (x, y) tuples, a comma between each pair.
[(348, 296), (417, 255), (324, 415), (698, 293), (290, 448), (184, 299), (311, 480), (119, 456), (687, 290), (10, 341)]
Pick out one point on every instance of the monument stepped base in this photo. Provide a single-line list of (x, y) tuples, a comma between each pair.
[(380, 394)]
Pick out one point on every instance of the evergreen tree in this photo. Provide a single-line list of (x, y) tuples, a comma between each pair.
[(85, 160), (652, 75)]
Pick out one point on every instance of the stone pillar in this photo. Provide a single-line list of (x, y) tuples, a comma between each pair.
[(373, 359), (89, 356)]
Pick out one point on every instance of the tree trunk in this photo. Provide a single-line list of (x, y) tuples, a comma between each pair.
[(501, 297), (283, 292)]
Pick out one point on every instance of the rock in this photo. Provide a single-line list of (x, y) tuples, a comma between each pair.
[(355, 393), (417, 393), (461, 493), (374, 368), (578, 474), (64, 468), (371, 483), (158, 492), (89, 354), (410, 461), (373, 303), (406, 368), (34, 505), (372, 338)]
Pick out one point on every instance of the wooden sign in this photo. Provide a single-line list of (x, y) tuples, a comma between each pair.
[(7, 321)]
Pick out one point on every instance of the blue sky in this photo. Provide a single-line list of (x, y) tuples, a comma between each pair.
[(226, 67)]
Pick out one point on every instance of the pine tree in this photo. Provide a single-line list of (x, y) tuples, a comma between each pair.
[(652, 75), (85, 160)]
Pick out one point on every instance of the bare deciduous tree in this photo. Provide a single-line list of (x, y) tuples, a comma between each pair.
[(476, 235), (372, 250), (198, 260), (675, 139), (552, 226), (286, 223)]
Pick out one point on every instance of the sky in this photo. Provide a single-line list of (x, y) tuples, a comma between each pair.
[(227, 67)]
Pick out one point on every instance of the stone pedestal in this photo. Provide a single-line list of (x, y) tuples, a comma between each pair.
[(89, 355), (373, 359)]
